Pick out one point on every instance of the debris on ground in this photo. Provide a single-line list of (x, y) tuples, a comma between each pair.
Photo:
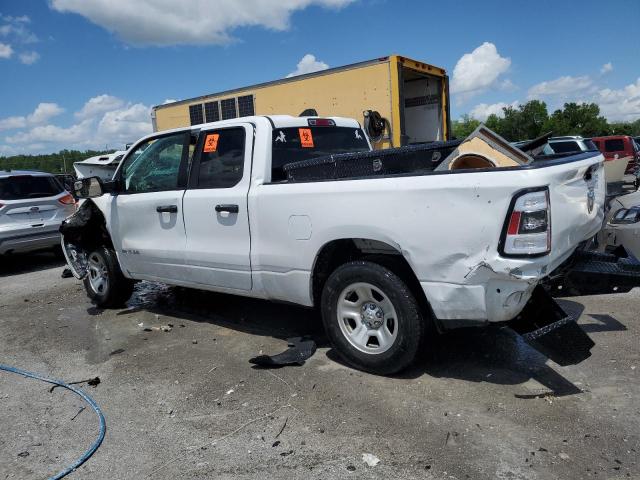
[(161, 328), (283, 427), (23, 454), (300, 349), (79, 412), (370, 459), (94, 382)]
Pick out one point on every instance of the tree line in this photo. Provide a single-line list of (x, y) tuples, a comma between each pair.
[(532, 119), (61, 162)]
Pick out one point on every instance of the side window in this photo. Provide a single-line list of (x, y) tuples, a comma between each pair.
[(222, 158), (614, 145), (155, 165)]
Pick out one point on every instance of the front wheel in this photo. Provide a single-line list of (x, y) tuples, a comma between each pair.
[(105, 284), (372, 318)]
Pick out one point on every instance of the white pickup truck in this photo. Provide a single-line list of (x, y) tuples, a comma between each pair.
[(382, 256)]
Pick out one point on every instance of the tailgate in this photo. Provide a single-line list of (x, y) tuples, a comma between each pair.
[(577, 196)]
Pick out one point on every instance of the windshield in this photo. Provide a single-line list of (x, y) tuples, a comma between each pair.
[(297, 144), (21, 187)]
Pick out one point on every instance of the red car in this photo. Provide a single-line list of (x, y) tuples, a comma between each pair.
[(622, 146)]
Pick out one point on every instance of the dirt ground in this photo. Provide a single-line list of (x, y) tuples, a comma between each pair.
[(186, 404)]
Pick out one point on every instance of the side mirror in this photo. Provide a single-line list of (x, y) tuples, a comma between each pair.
[(88, 187)]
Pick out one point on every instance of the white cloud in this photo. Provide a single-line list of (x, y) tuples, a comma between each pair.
[(560, 86), (620, 105), (606, 68), (100, 104), (169, 100), (29, 58), (167, 22), (11, 123), (478, 71), (104, 120), (125, 124), (42, 113), (483, 110), (16, 29), (308, 64), (5, 50)]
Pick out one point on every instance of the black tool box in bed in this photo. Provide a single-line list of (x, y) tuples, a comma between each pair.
[(392, 161)]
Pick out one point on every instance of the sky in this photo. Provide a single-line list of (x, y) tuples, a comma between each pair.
[(82, 74)]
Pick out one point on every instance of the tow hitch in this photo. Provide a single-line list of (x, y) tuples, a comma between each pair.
[(548, 328)]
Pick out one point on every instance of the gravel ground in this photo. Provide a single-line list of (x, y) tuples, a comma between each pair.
[(186, 404)]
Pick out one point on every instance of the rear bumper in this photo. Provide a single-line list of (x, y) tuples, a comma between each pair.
[(29, 239), (493, 294)]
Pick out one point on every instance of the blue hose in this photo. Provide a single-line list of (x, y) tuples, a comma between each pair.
[(86, 398)]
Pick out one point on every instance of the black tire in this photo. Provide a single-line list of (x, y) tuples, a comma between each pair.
[(410, 324), (117, 289)]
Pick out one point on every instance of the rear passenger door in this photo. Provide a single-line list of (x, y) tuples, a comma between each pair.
[(215, 209)]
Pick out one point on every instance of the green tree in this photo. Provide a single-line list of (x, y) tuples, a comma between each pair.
[(578, 119), (53, 162), (462, 128), (520, 123)]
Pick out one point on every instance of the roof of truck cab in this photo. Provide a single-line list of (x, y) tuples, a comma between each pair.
[(410, 63), (276, 121)]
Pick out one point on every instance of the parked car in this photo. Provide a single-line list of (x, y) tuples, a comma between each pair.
[(32, 207), (619, 147), (384, 256), (570, 144)]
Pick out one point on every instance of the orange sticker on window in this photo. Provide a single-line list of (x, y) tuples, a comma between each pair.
[(306, 138), (211, 143)]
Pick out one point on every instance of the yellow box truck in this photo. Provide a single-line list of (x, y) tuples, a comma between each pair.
[(399, 101)]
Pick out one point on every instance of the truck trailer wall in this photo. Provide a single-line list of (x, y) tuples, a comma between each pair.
[(344, 93)]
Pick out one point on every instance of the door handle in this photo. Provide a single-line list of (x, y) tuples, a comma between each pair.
[(167, 208), (227, 208)]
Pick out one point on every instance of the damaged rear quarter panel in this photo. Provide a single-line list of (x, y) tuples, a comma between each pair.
[(446, 226)]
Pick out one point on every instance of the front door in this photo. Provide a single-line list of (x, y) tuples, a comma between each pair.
[(215, 209), (147, 213)]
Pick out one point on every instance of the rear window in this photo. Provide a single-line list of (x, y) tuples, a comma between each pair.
[(28, 186), (614, 145), (297, 144), (590, 144), (565, 147)]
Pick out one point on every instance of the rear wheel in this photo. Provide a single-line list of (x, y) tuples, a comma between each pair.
[(105, 284), (372, 318)]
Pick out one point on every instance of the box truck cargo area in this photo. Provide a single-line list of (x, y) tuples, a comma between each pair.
[(397, 100)]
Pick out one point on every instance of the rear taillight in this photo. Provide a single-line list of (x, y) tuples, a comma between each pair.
[(67, 199), (527, 230)]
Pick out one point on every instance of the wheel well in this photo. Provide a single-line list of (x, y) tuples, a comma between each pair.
[(87, 228), (339, 252)]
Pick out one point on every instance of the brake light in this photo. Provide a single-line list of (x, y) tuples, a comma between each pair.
[(67, 199), (321, 122), (528, 226)]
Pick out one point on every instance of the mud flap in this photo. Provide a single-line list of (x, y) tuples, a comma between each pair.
[(545, 326), (594, 273)]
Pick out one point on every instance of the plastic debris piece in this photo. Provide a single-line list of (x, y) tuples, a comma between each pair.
[(370, 459), (300, 349)]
